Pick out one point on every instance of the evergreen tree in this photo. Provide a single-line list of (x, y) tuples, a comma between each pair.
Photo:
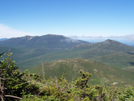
[(12, 82)]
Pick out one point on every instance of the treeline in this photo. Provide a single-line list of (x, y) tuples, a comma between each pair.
[(15, 86)]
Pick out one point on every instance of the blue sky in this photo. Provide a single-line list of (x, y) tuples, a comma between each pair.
[(79, 18)]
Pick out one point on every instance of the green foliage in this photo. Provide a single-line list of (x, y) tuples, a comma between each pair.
[(13, 78), (36, 98), (79, 90), (14, 81), (83, 89), (82, 82), (34, 87), (127, 94)]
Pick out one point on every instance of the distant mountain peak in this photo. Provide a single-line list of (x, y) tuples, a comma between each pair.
[(109, 45), (109, 40), (46, 41)]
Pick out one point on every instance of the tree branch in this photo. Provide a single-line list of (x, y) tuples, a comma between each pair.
[(13, 96)]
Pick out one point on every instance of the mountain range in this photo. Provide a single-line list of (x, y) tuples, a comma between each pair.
[(28, 47), (47, 41), (31, 51), (109, 52), (108, 61)]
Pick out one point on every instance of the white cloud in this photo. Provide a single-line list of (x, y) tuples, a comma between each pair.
[(7, 32), (129, 37), (68, 40)]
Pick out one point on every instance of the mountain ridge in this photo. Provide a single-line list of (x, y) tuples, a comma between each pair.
[(107, 45), (45, 41), (100, 72), (94, 52), (31, 56)]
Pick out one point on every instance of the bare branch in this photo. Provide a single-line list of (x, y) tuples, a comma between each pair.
[(13, 97)]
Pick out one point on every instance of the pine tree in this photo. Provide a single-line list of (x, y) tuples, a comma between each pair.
[(12, 82)]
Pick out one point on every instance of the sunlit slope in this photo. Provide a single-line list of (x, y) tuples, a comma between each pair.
[(101, 73)]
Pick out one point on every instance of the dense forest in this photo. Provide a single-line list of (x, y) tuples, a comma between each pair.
[(23, 86)]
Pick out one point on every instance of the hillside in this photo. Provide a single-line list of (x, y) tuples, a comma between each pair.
[(122, 60), (109, 52), (101, 73)]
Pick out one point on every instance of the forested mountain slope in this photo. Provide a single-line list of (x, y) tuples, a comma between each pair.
[(101, 73), (31, 51), (109, 52)]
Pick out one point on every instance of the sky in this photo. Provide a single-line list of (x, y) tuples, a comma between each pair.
[(74, 18)]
